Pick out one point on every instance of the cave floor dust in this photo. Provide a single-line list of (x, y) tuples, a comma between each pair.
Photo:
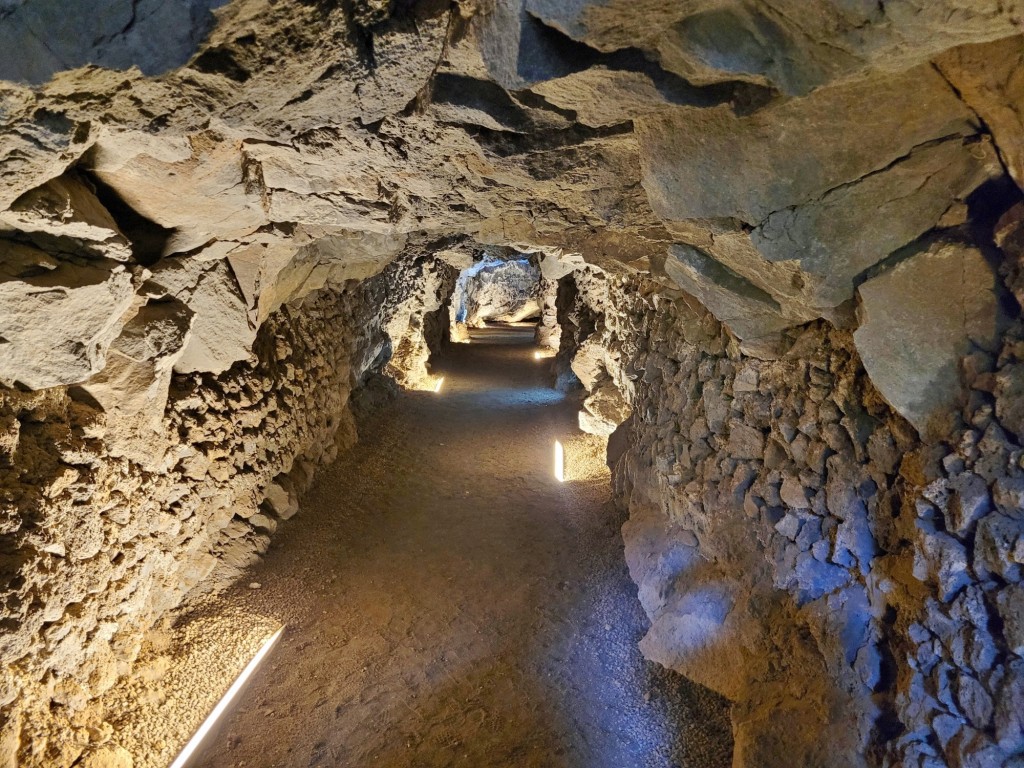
[(448, 603)]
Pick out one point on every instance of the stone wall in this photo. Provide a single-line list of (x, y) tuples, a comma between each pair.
[(854, 591), (98, 549)]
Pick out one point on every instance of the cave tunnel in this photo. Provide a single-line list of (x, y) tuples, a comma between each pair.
[(619, 383)]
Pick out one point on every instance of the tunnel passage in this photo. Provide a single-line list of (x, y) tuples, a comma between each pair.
[(449, 602), (503, 291), (779, 250)]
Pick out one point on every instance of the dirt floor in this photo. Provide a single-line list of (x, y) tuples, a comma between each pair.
[(449, 603)]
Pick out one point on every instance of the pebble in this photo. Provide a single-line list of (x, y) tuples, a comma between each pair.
[(254, 585)]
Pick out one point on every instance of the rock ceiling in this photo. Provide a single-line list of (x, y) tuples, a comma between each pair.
[(764, 156)]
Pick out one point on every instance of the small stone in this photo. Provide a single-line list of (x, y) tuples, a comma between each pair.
[(942, 559), (816, 578), (1010, 602), (746, 380), (254, 585), (745, 442), (994, 545), (820, 550), (969, 502), (974, 701), (794, 494), (789, 526)]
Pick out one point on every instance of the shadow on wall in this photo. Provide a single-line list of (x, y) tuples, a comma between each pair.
[(39, 38)]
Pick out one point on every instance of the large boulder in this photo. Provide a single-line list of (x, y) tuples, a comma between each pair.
[(58, 318), (990, 77), (917, 321), (200, 187), (132, 387), (222, 332), (797, 201), (792, 45)]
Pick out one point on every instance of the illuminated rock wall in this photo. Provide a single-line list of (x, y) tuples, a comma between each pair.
[(807, 212), (100, 544), (856, 591)]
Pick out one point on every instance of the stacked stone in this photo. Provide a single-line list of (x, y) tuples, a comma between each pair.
[(776, 508), (108, 546)]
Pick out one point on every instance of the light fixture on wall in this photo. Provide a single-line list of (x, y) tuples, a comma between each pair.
[(559, 462), (193, 744)]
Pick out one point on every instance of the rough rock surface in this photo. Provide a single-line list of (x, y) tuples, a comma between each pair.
[(118, 505), (774, 226), (918, 320), (796, 545), (501, 291)]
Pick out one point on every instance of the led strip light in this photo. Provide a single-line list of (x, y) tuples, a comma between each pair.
[(183, 757)]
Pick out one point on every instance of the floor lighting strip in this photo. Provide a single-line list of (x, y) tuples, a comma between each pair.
[(559, 462), (183, 757)]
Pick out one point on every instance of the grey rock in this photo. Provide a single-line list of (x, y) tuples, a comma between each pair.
[(38, 294), (816, 578), (789, 153), (918, 318), (837, 238), (1009, 709), (789, 526), (968, 503), (974, 701), (151, 35), (994, 545), (1010, 602), (942, 559)]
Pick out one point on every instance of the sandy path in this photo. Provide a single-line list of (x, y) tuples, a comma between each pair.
[(449, 604)]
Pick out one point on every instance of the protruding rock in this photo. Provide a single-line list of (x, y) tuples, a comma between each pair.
[(132, 387), (990, 77), (67, 207), (57, 318), (1011, 609), (222, 332), (918, 319)]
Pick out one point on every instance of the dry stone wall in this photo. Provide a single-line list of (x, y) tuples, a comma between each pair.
[(99, 546), (853, 590)]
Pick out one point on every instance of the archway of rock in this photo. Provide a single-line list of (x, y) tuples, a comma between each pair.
[(775, 250)]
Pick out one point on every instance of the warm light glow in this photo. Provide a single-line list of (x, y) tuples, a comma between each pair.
[(183, 757), (559, 462), (437, 387), (537, 355)]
